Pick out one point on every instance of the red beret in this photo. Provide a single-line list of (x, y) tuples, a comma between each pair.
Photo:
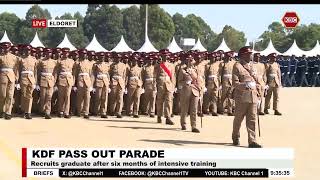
[(272, 55), (5, 44), (256, 55), (245, 50), (65, 49), (82, 51), (47, 50)]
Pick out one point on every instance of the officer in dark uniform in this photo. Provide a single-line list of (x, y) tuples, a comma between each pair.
[(286, 72), (316, 75), (302, 72), (293, 71)]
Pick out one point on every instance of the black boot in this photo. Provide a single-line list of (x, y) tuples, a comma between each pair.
[(266, 111), (230, 114), (236, 142), (159, 119), (183, 128), (214, 114), (67, 116), (104, 116), (261, 113), (60, 115), (276, 112), (7, 116), (152, 115), (27, 116), (195, 130), (1, 114), (169, 122), (172, 115), (47, 116), (136, 116), (86, 116), (119, 116), (254, 145)]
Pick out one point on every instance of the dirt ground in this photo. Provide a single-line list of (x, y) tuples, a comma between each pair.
[(298, 128)]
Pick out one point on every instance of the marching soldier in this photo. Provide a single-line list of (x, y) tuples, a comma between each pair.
[(165, 87), (226, 82), (118, 81), (55, 56), (246, 97), (176, 100), (65, 83), (261, 79), (134, 87), (28, 80), (200, 66), (16, 108), (149, 85), (101, 84), (36, 93), (47, 75), (8, 76), (190, 80), (274, 84), (74, 55), (84, 83), (212, 73)]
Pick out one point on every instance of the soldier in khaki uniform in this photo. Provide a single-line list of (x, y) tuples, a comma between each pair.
[(149, 85), (8, 76), (246, 97), (262, 79), (176, 100), (36, 94), (118, 81), (190, 81), (134, 87), (47, 75), (84, 75), (28, 79), (74, 55), (65, 83), (226, 82), (274, 84), (200, 66), (165, 87), (101, 70), (16, 108), (212, 73), (56, 52)]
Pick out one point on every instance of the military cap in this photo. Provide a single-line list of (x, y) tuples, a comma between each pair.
[(108, 54), (39, 49), (65, 49), (245, 50), (125, 56), (82, 51), (272, 55), (47, 50), (91, 53), (100, 54), (33, 50), (14, 48), (5, 45), (230, 54), (164, 51), (256, 54), (220, 52)]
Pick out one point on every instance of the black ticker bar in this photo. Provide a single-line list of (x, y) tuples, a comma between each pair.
[(228, 173)]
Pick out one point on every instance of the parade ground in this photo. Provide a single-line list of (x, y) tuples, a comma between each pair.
[(298, 128)]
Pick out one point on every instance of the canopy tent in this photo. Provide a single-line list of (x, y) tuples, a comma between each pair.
[(223, 46), (173, 46), (294, 50), (5, 38), (247, 43), (314, 51), (122, 46), (199, 46), (36, 41), (66, 43), (270, 49), (94, 45), (147, 46)]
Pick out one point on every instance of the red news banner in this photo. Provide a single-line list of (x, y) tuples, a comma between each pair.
[(44, 23)]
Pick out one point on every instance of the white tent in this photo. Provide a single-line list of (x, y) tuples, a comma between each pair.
[(270, 49), (199, 46), (247, 43), (173, 47), (36, 41), (147, 46), (314, 51), (122, 46), (66, 43), (223, 46), (94, 45), (5, 38), (294, 50)]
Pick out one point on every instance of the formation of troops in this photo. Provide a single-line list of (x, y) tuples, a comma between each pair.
[(160, 84)]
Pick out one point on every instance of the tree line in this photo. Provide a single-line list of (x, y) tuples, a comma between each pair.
[(108, 23)]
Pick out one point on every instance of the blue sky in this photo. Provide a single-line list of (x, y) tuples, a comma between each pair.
[(253, 20)]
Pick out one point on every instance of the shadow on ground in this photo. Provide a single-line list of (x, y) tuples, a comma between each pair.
[(185, 142)]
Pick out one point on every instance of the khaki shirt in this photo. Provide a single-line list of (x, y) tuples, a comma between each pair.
[(149, 77), (28, 70), (273, 74), (9, 67), (190, 78), (101, 73), (84, 73), (47, 72), (118, 74), (260, 72), (226, 73), (66, 74), (134, 76), (213, 74), (163, 79)]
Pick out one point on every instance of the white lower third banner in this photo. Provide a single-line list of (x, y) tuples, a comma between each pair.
[(169, 162)]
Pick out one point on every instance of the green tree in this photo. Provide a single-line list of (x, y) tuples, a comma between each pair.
[(306, 36), (278, 34), (234, 39), (132, 26), (9, 22), (160, 26), (179, 26), (26, 33), (106, 22)]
